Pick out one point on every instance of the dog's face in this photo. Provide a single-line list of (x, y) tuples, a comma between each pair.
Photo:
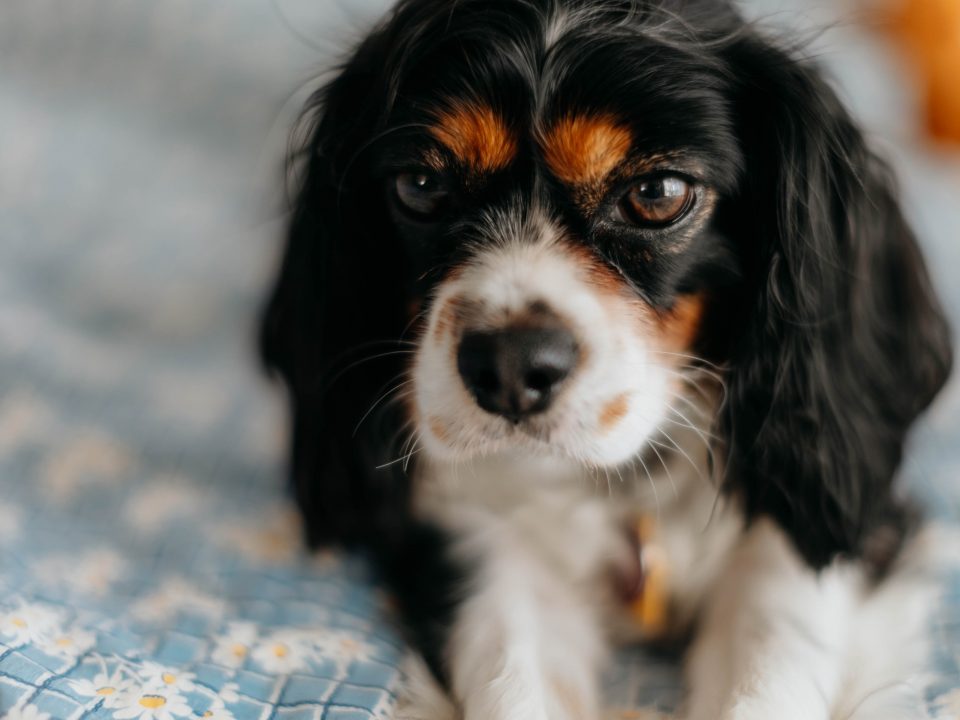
[(559, 193), (575, 248), (571, 206)]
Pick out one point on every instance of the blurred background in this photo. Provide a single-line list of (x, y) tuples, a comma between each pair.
[(141, 210)]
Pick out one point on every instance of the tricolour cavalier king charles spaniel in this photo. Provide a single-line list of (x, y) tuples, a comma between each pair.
[(600, 319)]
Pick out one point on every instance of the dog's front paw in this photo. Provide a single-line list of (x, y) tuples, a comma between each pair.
[(752, 708), (421, 697), (512, 698)]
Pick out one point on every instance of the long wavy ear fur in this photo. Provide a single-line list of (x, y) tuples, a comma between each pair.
[(338, 301), (844, 342)]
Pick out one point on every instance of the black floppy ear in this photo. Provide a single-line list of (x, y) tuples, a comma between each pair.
[(340, 299), (843, 340)]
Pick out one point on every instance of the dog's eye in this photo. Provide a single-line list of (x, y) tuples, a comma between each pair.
[(656, 202), (422, 194)]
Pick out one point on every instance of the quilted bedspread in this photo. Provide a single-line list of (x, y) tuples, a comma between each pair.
[(150, 565)]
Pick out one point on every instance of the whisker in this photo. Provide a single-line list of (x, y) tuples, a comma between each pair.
[(695, 358), (705, 435), (666, 468), (678, 448), (328, 383), (405, 459), (701, 411), (377, 402), (413, 451), (653, 485)]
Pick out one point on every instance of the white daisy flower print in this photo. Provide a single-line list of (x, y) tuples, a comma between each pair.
[(151, 704), (29, 623), (71, 644), (158, 676), (108, 688), (343, 647), (151, 508), (282, 653), (228, 694), (94, 573), (218, 713), (232, 649), (218, 708), (92, 458), (26, 712), (173, 595)]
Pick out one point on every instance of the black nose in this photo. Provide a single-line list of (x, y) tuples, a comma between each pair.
[(515, 372)]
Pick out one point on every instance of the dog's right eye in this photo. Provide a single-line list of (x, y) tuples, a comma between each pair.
[(421, 194)]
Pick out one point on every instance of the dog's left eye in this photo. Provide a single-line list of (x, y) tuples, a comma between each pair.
[(656, 202), (422, 194)]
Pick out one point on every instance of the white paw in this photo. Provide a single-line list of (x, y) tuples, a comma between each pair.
[(421, 697)]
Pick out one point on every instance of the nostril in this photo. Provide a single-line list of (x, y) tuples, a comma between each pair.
[(486, 381)]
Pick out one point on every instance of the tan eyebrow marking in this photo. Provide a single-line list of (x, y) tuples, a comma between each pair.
[(477, 135), (581, 149)]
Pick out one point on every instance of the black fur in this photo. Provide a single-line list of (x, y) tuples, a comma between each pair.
[(844, 342), (333, 330), (820, 304)]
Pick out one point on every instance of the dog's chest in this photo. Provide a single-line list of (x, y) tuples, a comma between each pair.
[(596, 530)]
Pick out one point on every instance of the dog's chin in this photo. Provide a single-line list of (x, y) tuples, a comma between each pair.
[(532, 439)]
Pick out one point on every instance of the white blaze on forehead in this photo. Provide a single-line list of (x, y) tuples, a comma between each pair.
[(510, 279), (524, 262)]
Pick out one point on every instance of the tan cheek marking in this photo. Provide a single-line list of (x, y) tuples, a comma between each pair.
[(613, 412), (679, 327), (581, 149), (439, 429), (448, 318), (477, 135)]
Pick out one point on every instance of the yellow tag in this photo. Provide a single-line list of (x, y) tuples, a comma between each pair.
[(650, 607)]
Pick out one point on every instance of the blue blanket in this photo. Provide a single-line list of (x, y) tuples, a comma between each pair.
[(150, 564)]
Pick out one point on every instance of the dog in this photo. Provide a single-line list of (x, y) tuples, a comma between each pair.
[(600, 320)]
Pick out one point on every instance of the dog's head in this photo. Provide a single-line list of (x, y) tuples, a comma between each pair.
[(527, 225)]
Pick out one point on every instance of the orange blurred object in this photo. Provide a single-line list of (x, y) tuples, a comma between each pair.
[(930, 32)]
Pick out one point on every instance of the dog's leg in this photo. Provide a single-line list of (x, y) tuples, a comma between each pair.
[(775, 635), (421, 697), (527, 643), (887, 664)]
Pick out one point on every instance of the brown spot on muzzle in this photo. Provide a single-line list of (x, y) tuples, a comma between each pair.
[(476, 135), (613, 412), (582, 149), (439, 429)]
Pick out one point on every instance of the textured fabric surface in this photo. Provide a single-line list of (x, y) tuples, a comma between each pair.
[(149, 561)]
